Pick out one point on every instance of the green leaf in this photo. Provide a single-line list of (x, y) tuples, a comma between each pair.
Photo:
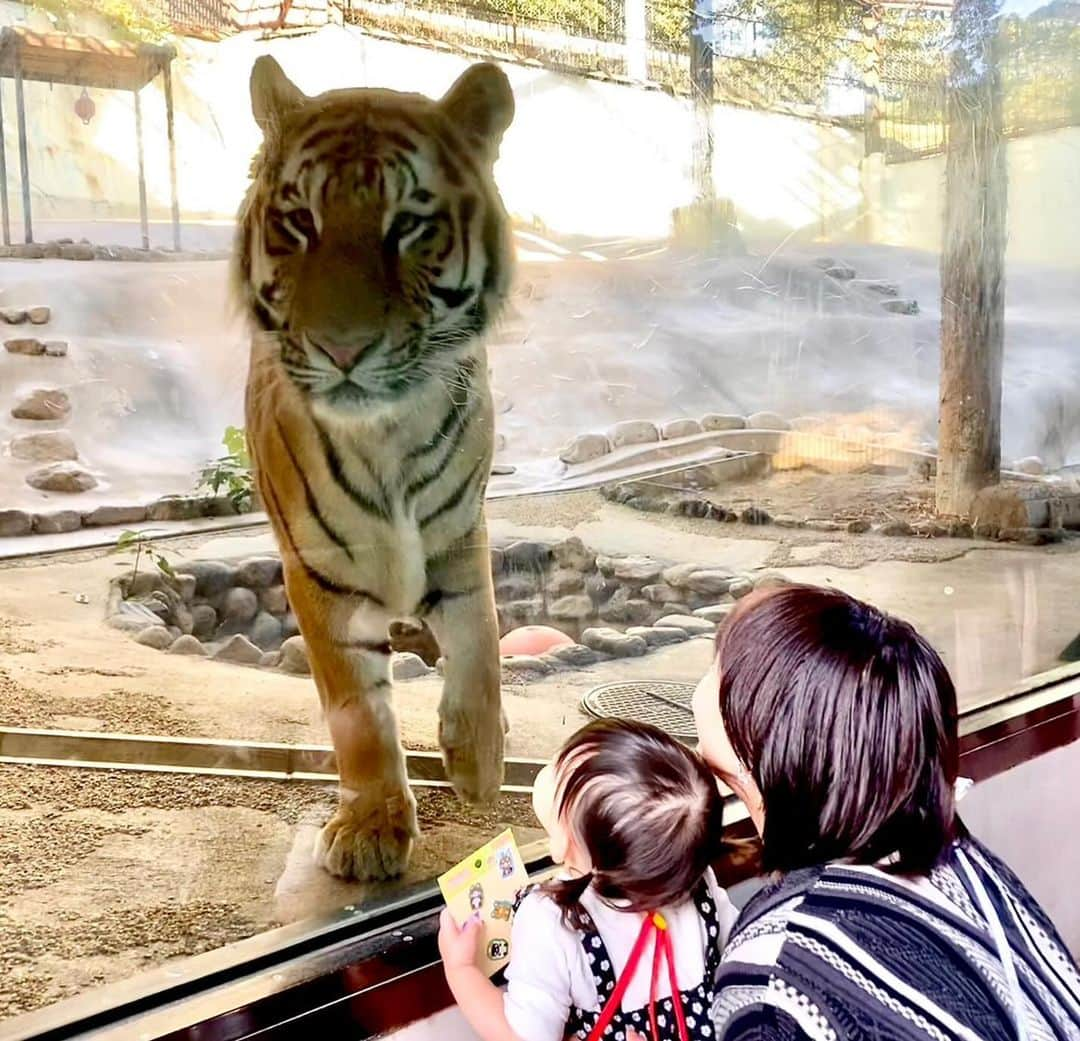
[(164, 566)]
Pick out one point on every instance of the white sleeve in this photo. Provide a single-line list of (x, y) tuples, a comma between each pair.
[(727, 912), (537, 1000)]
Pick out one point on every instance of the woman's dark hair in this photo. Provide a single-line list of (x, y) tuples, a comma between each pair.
[(646, 811), (846, 719)]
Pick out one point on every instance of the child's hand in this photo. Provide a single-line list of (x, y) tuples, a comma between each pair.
[(458, 946)]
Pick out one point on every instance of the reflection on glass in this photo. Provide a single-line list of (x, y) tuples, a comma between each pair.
[(795, 299)]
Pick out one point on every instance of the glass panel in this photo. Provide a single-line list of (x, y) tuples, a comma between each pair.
[(795, 296)]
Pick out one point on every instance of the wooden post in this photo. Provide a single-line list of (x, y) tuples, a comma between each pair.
[(167, 73), (972, 264), (702, 90), (637, 43), (6, 215), (24, 162), (144, 222)]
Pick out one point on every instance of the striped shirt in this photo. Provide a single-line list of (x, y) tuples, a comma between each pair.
[(851, 953)]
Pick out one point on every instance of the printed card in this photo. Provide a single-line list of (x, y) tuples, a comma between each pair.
[(487, 883)]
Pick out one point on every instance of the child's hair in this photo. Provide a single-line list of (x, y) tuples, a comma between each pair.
[(644, 809)]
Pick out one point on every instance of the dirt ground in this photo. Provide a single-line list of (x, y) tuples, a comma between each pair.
[(106, 873)]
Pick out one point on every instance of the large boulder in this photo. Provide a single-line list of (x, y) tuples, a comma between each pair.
[(45, 446), (61, 477), (44, 403)]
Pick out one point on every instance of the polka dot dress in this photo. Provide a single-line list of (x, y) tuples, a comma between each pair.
[(696, 1003)]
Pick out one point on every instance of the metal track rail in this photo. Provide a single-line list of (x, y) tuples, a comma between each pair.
[(185, 755)]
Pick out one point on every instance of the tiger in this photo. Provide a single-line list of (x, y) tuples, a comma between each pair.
[(373, 252)]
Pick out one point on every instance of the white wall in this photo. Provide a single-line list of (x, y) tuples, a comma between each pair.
[(583, 156)]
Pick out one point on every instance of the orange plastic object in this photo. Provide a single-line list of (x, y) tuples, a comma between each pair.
[(533, 640)]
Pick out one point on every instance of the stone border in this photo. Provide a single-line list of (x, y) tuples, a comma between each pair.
[(167, 508), (612, 607), (688, 505), (68, 249)]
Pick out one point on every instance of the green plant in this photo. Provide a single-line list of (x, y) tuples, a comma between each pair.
[(136, 20), (232, 472), (142, 545)]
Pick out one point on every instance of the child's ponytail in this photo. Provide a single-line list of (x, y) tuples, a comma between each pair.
[(567, 893)]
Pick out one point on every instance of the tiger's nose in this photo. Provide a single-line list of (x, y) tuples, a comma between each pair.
[(344, 354)]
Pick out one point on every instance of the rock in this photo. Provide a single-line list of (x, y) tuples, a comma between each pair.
[(77, 251), (564, 582), (515, 587), (289, 626), (176, 507), (204, 620), (239, 650), (48, 446), (688, 623), (188, 645), (239, 606), (961, 529), (1031, 465), (611, 641), (909, 307), (710, 582), (104, 516), (517, 666), (56, 348), (498, 561), (859, 526), (714, 612), (1031, 536), (45, 403), (600, 588), (185, 586), (13, 315), (633, 432), (690, 508), (585, 448), (1027, 505), (680, 428), (755, 515), (38, 315), (132, 616), (643, 570), (877, 285), (527, 556), (824, 525), (841, 272), (274, 600), (576, 654), (647, 504), (741, 587), (259, 572), (61, 477), (24, 345), (767, 421), (270, 660), (15, 522), (156, 636), (620, 493), (409, 667), (266, 631), (720, 421), (655, 636), (571, 608), (294, 657), (57, 522), (661, 593), (786, 520), (895, 528), (212, 577), (625, 608)]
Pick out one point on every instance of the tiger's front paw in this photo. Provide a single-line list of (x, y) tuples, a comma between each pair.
[(369, 837), (473, 755)]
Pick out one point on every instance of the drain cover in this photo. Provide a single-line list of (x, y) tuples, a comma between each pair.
[(662, 703)]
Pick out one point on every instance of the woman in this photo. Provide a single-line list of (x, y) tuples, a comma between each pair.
[(836, 725)]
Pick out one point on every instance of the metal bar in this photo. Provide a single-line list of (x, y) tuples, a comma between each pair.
[(167, 73), (143, 220), (4, 209), (24, 162), (262, 759)]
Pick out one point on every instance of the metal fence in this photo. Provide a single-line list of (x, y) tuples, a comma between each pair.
[(213, 18)]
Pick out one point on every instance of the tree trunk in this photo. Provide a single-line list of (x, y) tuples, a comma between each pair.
[(972, 264)]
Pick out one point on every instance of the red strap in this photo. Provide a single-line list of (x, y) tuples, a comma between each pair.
[(653, 925), (615, 1001)]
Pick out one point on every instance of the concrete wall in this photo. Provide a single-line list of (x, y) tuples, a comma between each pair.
[(583, 156)]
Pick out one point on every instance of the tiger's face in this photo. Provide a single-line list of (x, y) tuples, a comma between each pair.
[(373, 248)]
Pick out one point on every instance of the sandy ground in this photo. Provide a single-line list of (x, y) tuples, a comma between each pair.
[(102, 874)]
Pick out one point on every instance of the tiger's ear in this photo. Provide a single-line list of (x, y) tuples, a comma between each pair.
[(273, 94), (481, 104)]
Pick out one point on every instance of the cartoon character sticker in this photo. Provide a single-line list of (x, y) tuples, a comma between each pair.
[(506, 863), (498, 949), (502, 909), (476, 896)]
